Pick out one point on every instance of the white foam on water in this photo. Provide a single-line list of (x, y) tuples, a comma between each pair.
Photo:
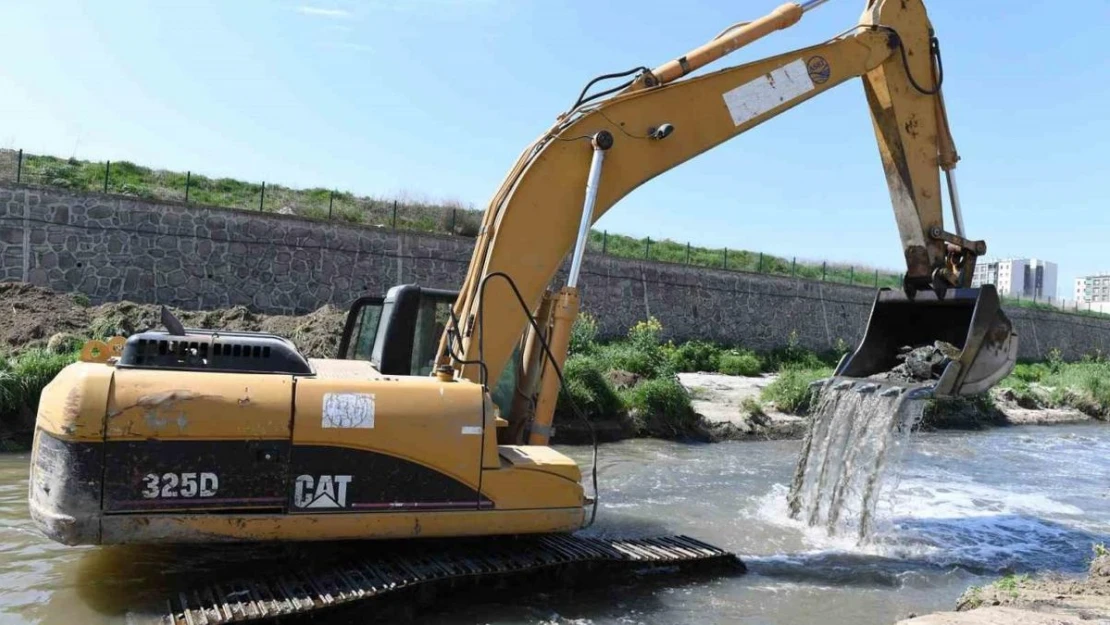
[(937, 514)]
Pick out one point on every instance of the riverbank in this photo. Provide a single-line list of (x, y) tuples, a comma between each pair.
[(1033, 600), (739, 408), (636, 387)]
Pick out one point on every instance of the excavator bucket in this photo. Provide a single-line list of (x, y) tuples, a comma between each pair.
[(972, 342)]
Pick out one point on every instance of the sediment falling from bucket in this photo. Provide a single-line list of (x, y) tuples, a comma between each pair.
[(840, 475)]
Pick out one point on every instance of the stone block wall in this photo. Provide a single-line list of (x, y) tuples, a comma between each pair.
[(117, 247)]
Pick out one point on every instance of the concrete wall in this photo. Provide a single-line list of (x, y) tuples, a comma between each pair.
[(116, 247)]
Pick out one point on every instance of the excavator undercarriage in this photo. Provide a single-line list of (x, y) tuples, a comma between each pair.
[(393, 567)]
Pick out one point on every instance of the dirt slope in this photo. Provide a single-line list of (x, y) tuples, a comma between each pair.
[(36, 314)]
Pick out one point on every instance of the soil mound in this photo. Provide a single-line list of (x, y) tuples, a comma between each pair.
[(37, 314)]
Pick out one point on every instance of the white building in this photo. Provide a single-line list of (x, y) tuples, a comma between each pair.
[(1030, 278), (1093, 289)]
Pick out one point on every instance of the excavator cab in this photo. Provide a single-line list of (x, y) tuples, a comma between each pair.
[(398, 333), (972, 340)]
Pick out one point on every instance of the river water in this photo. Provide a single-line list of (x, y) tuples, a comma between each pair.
[(965, 508)]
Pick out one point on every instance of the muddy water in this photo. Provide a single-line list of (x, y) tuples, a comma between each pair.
[(966, 507)]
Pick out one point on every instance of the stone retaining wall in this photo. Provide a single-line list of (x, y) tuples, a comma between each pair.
[(117, 247)]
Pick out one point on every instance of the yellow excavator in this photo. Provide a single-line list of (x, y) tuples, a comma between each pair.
[(434, 419)]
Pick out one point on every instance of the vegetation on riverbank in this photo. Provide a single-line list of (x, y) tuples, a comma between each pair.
[(1041, 598), (633, 379), (22, 378), (1083, 385)]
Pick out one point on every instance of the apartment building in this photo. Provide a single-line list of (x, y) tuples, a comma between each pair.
[(1093, 289), (1018, 277)]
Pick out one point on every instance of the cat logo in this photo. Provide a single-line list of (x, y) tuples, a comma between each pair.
[(325, 491)]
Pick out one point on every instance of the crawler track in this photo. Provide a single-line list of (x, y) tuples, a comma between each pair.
[(400, 566)]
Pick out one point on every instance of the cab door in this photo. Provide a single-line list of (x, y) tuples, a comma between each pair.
[(196, 441)]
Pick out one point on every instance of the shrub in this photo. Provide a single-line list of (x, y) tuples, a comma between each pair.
[(794, 355), (640, 354), (23, 377), (790, 392), (589, 388), (645, 335), (694, 356), (662, 407), (583, 334), (1031, 372), (649, 363), (740, 362)]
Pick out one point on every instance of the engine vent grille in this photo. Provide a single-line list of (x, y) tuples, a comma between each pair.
[(205, 350)]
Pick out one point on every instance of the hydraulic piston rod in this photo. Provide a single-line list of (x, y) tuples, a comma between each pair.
[(601, 142), (726, 43)]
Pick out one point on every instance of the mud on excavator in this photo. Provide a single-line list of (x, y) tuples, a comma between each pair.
[(434, 419)]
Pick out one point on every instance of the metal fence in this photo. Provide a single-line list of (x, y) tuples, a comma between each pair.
[(738, 260), (126, 178), (1058, 303)]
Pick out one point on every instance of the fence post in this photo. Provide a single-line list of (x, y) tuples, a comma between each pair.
[(454, 216), (876, 278), (760, 270), (852, 274), (687, 252), (262, 196), (331, 202), (824, 269), (107, 169), (394, 214), (19, 166), (188, 179), (726, 258), (793, 266), (605, 242), (647, 248)]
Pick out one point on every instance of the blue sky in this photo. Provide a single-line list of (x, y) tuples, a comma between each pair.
[(436, 98)]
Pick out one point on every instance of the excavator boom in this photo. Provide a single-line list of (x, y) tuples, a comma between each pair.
[(602, 149)]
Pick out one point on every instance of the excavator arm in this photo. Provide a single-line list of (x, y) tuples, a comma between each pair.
[(604, 148)]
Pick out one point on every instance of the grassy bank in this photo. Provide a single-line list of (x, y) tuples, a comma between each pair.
[(22, 378), (1083, 385), (633, 379)]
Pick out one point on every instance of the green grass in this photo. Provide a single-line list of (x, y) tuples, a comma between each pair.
[(654, 404), (694, 356), (1083, 385), (22, 379), (1011, 583), (790, 391), (740, 362), (590, 391), (669, 251), (662, 407)]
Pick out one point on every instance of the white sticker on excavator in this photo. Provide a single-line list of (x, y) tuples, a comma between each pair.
[(348, 410), (769, 91)]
